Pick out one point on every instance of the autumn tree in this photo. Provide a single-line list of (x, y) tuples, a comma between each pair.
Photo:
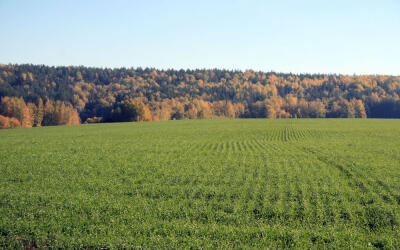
[(39, 113), (130, 111), (190, 111), (17, 108), (4, 122), (203, 109), (359, 109), (59, 113), (49, 114)]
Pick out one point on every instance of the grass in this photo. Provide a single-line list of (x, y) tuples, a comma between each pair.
[(308, 183)]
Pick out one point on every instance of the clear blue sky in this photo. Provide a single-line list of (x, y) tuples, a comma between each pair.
[(313, 36)]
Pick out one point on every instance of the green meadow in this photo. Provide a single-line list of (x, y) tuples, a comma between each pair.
[(243, 183)]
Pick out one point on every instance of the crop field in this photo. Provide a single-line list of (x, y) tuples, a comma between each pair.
[(330, 183)]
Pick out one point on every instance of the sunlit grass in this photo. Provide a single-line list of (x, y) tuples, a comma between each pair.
[(204, 183)]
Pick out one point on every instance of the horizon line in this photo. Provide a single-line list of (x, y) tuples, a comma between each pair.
[(197, 69)]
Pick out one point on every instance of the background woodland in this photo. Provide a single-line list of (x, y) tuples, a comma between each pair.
[(39, 95)]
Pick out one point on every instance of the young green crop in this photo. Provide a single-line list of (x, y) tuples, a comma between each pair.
[(260, 183)]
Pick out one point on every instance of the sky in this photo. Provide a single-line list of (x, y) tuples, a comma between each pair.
[(309, 36)]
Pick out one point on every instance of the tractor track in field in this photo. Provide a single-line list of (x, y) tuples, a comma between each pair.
[(251, 146), (265, 143), (370, 185)]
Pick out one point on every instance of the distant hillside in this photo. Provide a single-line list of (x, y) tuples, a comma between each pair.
[(193, 94)]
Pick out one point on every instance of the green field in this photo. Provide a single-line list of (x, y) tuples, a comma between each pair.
[(203, 183)]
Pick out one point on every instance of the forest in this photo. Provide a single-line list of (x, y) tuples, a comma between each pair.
[(40, 95)]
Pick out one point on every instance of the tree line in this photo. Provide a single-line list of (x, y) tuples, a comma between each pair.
[(106, 95), (15, 113)]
